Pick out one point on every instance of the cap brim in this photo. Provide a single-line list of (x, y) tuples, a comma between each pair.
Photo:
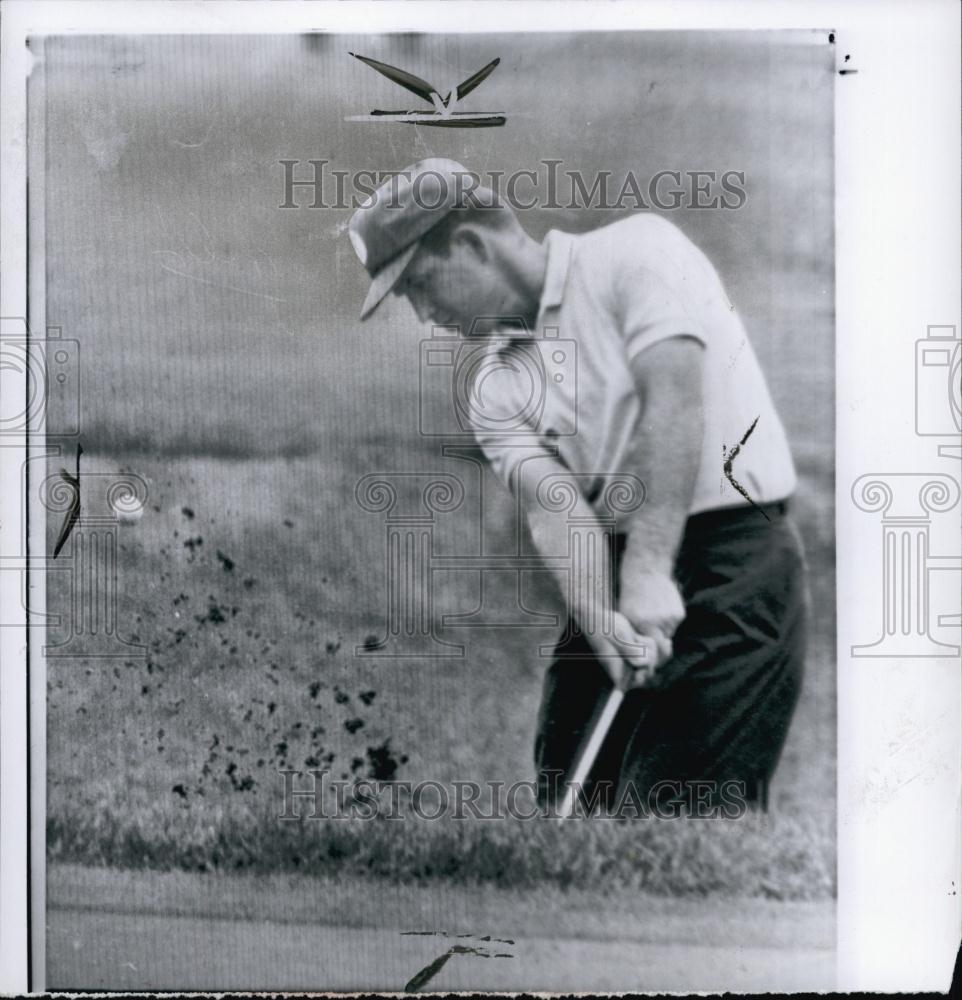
[(386, 279)]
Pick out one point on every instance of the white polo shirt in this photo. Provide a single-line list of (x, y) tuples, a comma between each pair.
[(608, 295)]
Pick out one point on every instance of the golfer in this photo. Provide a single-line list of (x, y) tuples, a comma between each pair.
[(709, 570)]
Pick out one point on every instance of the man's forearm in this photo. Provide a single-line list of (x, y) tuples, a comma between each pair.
[(666, 452), (584, 577)]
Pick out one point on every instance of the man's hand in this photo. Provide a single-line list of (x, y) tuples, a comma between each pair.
[(630, 658), (653, 605)]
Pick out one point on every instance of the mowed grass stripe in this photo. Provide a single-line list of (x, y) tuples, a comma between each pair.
[(605, 912)]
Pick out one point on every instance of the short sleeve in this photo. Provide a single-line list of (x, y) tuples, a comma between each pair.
[(650, 309)]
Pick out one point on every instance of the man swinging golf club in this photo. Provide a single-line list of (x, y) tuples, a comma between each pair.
[(706, 618)]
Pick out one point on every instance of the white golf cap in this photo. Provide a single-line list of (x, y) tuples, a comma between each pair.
[(386, 228)]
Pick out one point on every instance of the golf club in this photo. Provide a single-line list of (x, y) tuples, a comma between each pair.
[(590, 753)]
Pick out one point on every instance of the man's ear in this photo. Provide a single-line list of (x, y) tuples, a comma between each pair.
[(475, 239)]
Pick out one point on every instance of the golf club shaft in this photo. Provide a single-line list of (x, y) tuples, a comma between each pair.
[(590, 753)]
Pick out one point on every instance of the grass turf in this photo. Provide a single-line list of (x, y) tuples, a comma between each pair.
[(251, 601)]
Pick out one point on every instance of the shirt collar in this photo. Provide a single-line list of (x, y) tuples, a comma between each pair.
[(559, 246)]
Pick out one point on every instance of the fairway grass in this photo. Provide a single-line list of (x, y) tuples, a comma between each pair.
[(755, 856)]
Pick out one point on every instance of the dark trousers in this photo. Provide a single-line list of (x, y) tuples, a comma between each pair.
[(723, 702)]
